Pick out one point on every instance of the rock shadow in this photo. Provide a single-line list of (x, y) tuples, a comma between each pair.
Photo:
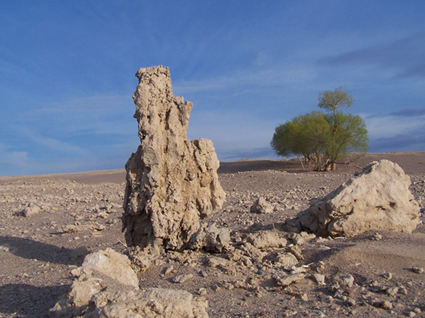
[(22, 300), (31, 249)]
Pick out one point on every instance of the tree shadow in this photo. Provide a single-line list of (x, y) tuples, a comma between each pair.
[(29, 301), (43, 252)]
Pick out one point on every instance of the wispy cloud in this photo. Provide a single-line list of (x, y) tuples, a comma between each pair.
[(410, 112), (51, 143), (258, 77), (401, 130), (405, 55)]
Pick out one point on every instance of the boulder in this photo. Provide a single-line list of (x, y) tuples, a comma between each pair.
[(30, 210), (149, 303), (377, 199), (172, 183), (113, 264), (100, 289), (261, 206)]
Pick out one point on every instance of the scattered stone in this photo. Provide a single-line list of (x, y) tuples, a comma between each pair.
[(386, 305), (392, 291), (168, 270), (202, 291), (261, 206), (417, 270), (212, 239), (216, 262), (377, 237), (296, 250), (350, 301), (77, 227), (387, 276), (180, 279), (378, 198), (266, 239), (142, 262), (172, 183), (289, 279), (319, 278), (30, 210), (347, 280), (285, 260), (253, 252)]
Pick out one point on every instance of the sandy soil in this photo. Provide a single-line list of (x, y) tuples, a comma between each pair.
[(80, 213)]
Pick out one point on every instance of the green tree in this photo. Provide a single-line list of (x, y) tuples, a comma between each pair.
[(321, 138)]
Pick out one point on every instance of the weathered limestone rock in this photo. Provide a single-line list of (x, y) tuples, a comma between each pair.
[(261, 206), (30, 210), (113, 264), (266, 239), (149, 303), (377, 199), (100, 289), (172, 182), (103, 270), (212, 238)]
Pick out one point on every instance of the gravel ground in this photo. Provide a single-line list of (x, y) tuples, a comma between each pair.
[(80, 213)]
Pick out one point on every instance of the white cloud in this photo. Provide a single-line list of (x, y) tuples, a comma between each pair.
[(390, 126)]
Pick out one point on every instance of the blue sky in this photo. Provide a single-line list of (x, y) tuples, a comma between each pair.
[(67, 73)]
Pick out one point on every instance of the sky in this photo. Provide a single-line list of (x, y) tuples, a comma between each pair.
[(67, 73)]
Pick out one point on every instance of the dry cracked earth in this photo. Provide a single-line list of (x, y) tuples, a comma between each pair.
[(371, 275)]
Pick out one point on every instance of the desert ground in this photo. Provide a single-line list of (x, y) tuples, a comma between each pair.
[(80, 213)]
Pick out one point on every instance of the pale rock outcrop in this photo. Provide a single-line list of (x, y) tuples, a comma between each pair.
[(113, 264), (149, 303), (105, 286), (377, 199), (172, 182), (103, 270)]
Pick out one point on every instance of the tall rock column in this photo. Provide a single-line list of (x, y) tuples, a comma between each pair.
[(172, 183)]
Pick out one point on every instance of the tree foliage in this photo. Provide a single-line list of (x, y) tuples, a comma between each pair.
[(323, 138)]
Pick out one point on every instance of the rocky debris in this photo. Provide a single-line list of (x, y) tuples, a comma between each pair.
[(106, 286), (77, 227), (180, 279), (285, 260), (30, 210), (172, 182), (254, 253), (142, 262), (149, 303), (286, 280), (212, 239), (261, 206), (377, 199), (103, 270), (266, 239), (113, 264), (37, 257), (417, 270), (319, 278)]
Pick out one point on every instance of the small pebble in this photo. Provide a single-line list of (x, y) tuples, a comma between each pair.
[(417, 270)]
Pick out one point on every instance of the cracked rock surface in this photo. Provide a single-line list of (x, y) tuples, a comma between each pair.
[(172, 182)]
